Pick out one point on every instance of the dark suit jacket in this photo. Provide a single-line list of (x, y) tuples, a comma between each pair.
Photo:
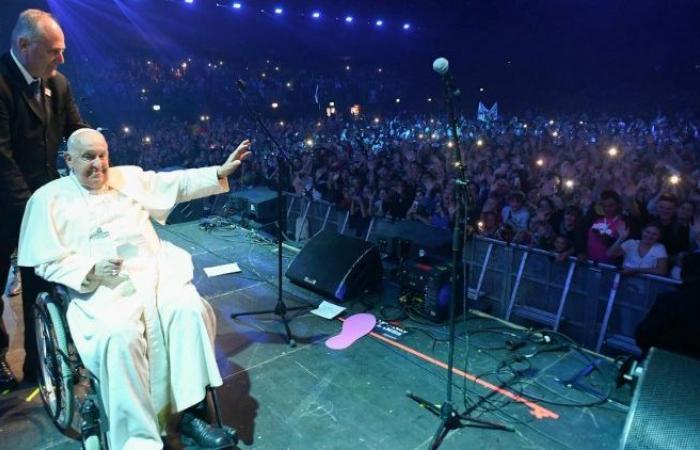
[(30, 134)]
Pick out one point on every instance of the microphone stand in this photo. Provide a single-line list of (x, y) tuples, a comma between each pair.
[(450, 418), (281, 309)]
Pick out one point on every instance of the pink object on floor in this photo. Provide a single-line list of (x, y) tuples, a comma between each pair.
[(354, 327)]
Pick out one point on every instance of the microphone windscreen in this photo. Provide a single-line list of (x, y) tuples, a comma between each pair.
[(441, 66)]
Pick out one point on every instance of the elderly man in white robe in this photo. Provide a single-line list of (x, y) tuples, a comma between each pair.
[(136, 318)]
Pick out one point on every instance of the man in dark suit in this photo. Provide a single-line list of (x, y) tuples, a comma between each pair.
[(37, 112)]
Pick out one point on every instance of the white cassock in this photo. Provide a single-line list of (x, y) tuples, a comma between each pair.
[(147, 334)]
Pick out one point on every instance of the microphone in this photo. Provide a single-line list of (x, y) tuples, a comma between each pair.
[(442, 67)]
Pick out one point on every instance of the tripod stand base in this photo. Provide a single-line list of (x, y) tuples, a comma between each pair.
[(280, 310), (451, 420)]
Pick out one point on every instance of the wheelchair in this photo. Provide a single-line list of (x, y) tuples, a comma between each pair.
[(67, 386)]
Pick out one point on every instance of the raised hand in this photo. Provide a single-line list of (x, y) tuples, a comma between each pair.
[(234, 160), (623, 232)]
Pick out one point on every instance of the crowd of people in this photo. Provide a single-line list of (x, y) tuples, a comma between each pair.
[(618, 190), (570, 184)]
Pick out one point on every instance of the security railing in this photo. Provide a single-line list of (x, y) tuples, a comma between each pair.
[(591, 303)]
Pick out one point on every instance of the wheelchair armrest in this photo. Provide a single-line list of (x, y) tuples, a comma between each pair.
[(61, 295)]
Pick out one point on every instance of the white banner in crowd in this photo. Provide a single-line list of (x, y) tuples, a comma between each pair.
[(485, 114)]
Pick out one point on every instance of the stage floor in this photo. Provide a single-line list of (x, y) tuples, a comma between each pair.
[(313, 398)]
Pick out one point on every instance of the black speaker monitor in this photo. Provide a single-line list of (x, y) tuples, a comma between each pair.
[(665, 409), (337, 266)]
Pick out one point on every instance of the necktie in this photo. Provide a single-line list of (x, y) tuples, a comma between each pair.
[(36, 90)]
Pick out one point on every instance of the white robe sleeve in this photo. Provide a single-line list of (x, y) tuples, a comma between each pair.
[(42, 247), (160, 192)]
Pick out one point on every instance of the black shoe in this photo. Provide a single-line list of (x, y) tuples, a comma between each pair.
[(7, 378), (231, 433), (201, 434)]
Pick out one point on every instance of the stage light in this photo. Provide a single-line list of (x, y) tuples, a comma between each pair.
[(237, 5), (348, 19), (450, 144), (524, 125), (674, 179), (347, 67), (379, 23), (612, 151), (275, 105), (479, 142), (279, 11), (189, 1), (277, 69), (147, 139), (184, 65), (540, 162), (143, 90), (316, 15), (379, 70), (551, 122), (376, 120), (281, 123), (555, 133), (398, 100), (430, 99), (289, 84), (126, 130), (407, 26), (569, 183), (420, 135), (309, 142), (156, 107), (481, 89)]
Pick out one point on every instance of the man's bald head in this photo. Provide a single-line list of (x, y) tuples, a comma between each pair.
[(38, 42), (88, 158), (32, 24)]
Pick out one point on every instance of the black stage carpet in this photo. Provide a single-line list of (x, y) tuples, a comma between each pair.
[(311, 397)]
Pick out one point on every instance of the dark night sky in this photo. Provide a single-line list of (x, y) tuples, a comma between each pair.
[(583, 55)]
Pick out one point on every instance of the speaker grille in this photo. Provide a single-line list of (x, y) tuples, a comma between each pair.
[(665, 410), (337, 266)]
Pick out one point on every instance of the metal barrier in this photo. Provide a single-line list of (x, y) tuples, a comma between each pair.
[(307, 217), (591, 303)]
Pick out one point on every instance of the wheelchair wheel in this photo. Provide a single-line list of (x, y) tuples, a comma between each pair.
[(55, 374)]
